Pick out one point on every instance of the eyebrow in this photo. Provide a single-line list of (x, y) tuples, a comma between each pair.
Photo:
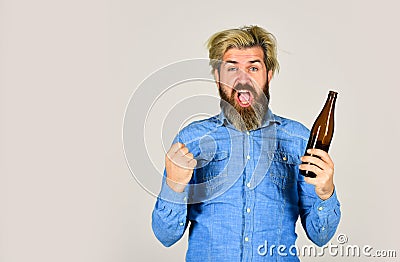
[(235, 62), (255, 61)]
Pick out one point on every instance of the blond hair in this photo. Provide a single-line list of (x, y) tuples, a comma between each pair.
[(243, 37)]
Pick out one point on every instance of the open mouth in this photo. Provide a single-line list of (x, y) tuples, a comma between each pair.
[(244, 98)]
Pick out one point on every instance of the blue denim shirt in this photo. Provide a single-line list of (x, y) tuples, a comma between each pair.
[(246, 191)]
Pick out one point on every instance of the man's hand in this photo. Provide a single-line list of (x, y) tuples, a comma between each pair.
[(323, 167), (179, 164)]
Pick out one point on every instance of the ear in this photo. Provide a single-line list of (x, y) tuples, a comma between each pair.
[(216, 77), (269, 75)]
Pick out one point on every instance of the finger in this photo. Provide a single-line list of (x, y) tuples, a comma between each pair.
[(181, 162), (175, 147), (187, 163), (314, 160), (182, 158), (309, 167), (190, 156), (192, 163), (320, 153), (182, 151), (311, 180)]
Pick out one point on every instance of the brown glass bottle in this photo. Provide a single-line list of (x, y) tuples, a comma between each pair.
[(322, 130)]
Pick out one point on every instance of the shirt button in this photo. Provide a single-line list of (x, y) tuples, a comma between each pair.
[(323, 228), (284, 158), (248, 157), (248, 185), (248, 133), (184, 199), (246, 239), (181, 224), (320, 208), (248, 210)]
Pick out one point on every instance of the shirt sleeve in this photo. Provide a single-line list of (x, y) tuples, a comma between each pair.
[(169, 217), (319, 218)]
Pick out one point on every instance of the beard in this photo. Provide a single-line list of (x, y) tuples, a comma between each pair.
[(245, 118)]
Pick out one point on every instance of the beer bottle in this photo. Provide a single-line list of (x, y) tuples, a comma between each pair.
[(322, 130)]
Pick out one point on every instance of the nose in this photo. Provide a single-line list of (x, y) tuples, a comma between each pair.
[(243, 77)]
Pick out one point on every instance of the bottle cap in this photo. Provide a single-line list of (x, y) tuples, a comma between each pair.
[(333, 93)]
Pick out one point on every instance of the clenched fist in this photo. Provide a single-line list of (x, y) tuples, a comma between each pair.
[(179, 164)]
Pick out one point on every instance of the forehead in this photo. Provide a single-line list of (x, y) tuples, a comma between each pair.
[(244, 55)]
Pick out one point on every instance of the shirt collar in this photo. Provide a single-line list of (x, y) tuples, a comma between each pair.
[(269, 119)]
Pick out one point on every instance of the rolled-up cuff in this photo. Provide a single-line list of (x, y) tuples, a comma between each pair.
[(169, 195)]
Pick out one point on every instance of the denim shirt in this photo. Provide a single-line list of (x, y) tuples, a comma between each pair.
[(246, 191)]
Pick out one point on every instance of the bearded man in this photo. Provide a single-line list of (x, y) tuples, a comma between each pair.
[(234, 179)]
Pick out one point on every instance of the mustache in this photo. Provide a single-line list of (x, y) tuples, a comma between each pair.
[(246, 87)]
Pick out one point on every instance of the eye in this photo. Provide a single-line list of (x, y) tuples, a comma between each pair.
[(232, 69), (253, 69)]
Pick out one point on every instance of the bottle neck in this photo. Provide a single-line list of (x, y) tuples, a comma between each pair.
[(331, 100)]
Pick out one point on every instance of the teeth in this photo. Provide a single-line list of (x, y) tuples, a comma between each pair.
[(245, 102)]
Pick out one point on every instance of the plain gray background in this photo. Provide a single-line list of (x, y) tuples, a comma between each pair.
[(68, 69)]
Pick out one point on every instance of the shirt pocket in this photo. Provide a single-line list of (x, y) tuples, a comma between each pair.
[(284, 168), (214, 173)]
